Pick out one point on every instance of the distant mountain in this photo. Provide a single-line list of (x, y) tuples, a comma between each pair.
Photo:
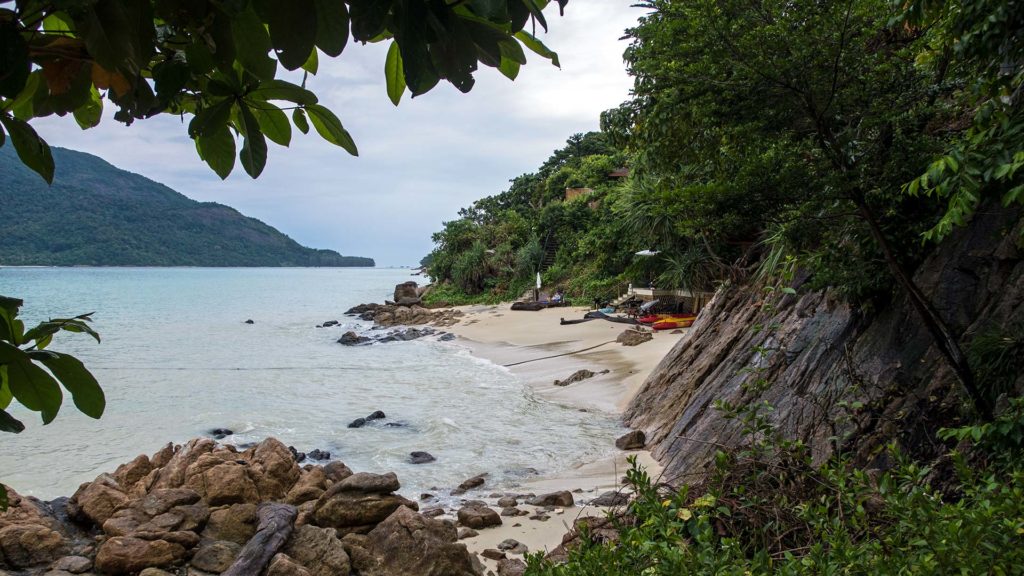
[(97, 214)]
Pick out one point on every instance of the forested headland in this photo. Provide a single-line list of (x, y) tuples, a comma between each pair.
[(95, 214)]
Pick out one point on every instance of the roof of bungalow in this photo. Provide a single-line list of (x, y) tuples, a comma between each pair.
[(619, 173)]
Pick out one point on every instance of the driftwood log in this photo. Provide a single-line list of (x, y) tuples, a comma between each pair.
[(275, 526)]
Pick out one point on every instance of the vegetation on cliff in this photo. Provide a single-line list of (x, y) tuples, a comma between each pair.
[(830, 148), (110, 217)]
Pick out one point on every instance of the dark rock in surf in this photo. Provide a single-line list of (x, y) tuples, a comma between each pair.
[(330, 323), (298, 456), (249, 321), (376, 415), (352, 339), (421, 457), (357, 423), (318, 454)]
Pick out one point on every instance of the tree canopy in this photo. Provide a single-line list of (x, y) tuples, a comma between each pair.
[(226, 64)]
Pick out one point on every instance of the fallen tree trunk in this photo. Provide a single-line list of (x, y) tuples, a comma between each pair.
[(275, 526)]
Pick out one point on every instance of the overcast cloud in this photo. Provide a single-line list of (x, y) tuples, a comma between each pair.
[(418, 164)]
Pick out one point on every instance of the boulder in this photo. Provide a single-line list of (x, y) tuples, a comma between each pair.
[(215, 556), (513, 546), (408, 301), (25, 545), (96, 501), (360, 500), (407, 544), (464, 533), (376, 415), (511, 567), (632, 440), (128, 474), (474, 482), (576, 377), (283, 565), (73, 564), (273, 469), (478, 517), (562, 498), (318, 454), (634, 337), (236, 523), (337, 471), (128, 555), (225, 483), (507, 502), (311, 485), (611, 498), (357, 423), (492, 554), (406, 290), (318, 550), (421, 457), (352, 339)]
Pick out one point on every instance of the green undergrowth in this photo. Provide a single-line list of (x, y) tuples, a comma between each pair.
[(776, 513)]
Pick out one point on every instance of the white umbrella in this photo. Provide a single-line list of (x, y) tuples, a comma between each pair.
[(647, 253)]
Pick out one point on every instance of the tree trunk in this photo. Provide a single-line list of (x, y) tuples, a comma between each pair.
[(940, 331), (275, 526)]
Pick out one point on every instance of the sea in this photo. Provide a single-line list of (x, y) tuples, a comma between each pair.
[(178, 360)]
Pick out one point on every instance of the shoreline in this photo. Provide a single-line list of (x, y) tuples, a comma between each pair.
[(537, 349)]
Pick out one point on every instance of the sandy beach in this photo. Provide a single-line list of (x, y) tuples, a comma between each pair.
[(539, 350)]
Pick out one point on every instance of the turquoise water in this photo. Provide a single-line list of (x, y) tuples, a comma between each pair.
[(178, 360)]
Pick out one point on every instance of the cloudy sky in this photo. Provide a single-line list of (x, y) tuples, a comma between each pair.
[(418, 164)]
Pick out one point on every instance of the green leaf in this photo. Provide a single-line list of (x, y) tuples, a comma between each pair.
[(217, 149), (89, 114), (299, 119), (211, 118), (254, 145), (329, 127), (509, 68), (30, 384), (23, 106), (5, 390), (77, 324), (395, 74), (273, 123), (312, 65), (85, 390), (14, 61), (293, 28), (252, 43), (537, 47), (331, 26), (9, 423), (536, 13), (281, 90), (33, 151)]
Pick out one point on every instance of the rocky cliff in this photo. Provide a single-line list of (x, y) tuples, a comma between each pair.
[(835, 375)]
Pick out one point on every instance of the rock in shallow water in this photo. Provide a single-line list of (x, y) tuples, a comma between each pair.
[(421, 457)]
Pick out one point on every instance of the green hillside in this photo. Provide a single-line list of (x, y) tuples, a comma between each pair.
[(97, 214)]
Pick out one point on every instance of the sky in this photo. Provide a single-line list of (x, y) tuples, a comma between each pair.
[(419, 162)]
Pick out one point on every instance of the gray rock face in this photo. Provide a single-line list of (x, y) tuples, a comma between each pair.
[(823, 355)]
